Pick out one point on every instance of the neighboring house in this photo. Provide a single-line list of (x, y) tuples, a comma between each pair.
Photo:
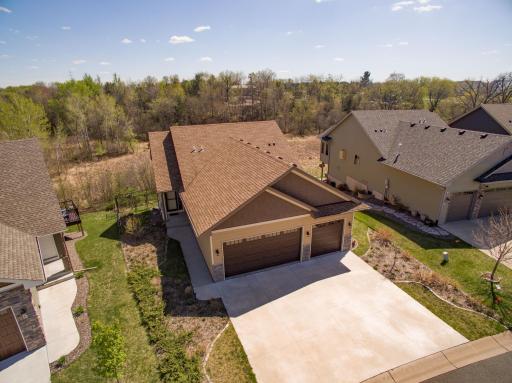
[(248, 202), (489, 118), (412, 158), (32, 247)]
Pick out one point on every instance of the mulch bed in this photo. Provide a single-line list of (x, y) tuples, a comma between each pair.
[(82, 321), (397, 265), (184, 313)]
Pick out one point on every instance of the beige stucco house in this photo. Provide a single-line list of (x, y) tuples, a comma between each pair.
[(32, 248), (413, 158), (249, 203)]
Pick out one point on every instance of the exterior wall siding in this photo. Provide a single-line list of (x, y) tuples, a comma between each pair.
[(22, 303), (415, 193), (480, 121), (265, 207), (305, 191)]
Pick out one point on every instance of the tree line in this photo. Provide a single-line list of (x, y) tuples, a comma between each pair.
[(86, 118)]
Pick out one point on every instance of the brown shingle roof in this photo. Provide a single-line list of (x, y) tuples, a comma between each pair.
[(230, 178), (440, 154), (27, 199), (501, 113), (164, 162), (212, 138), (19, 255)]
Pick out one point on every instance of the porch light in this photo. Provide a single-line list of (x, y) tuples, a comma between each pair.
[(349, 223), (217, 251), (307, 233)]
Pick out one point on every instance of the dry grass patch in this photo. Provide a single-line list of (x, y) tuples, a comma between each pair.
[(307, 150)]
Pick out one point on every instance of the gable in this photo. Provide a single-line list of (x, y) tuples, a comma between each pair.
[(306, 191), (480, 121), (265, 207)]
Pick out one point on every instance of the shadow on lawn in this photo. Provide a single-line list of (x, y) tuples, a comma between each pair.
[(422, 239)]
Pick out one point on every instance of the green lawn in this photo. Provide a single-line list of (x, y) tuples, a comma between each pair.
[(110, 301), (472, 326), (228, 361), (464, 268)]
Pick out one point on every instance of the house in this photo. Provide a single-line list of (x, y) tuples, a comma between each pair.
[(413, 159), (32, 248), (249, 203), (488, 118)]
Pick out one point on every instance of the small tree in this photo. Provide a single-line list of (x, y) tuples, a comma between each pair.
[(108, 344), (495, 234)]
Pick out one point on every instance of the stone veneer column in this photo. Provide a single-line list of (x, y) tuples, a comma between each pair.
[(20, 300), (347, 235), (478, 197), (306, 243)]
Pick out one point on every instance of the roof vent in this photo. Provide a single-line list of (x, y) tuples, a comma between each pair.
[(482, 136), (443, 129), (461, 132), (257, 147), (273, 144), (375, 130), (194, 149), (268, 152), (201, 149), (294, 164), (241, 139), (280, 157), (269, 144), (396, 158), (427, 126), (412, 124)]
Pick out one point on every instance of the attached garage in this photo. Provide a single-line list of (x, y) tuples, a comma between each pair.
[(326, 238), (460, 206), (493, 200), (250, 254), (11, 340)]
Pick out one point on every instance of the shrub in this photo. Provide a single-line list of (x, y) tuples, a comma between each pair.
[(383, 235), (108, 344), (79, 274), (133, 225), (61, 361), (174, 364), (77, 311)]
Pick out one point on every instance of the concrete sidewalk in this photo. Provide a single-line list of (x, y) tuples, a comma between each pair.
[(449, 360), (178, 228)]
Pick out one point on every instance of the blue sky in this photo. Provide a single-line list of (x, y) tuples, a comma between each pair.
[(55, 40)]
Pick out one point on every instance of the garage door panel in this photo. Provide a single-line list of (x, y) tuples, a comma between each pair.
[(326, 238), (11, 341), (459, 207), (269, 250), (494, 200)]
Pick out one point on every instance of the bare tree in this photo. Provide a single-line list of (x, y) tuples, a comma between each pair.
[(504, 87), (495, 234)]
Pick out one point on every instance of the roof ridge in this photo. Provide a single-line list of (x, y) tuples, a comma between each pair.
[(467, 132), (280, 159), (223, 123)]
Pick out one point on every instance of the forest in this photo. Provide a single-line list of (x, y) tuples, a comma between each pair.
[(87, 119)]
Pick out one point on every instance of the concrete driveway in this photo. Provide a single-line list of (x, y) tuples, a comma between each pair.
[(465, 230), (333, 319), (26, 367)]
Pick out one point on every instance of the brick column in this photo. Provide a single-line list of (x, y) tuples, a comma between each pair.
[(307, 232)]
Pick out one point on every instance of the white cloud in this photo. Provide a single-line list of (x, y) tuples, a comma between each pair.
[(283, 71), (65, 28), (403, 43), (143, 41), (104, 63), (206, 59), (319, 46), (5, 10), (169, 59), (32, 67), (202, 28), (491, 52), (398, 6), (289, 33), (181, 39), (104, 72), (339, 59), (387, 45), (428, 8), (31, 37), (4, 56), (126, 40), (78, 62), (15, 31), (3, 42), (322, 1), (423, 1)]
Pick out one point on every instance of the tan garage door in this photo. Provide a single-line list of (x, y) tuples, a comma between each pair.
[(459, 208), (494, 200), (260, 252), (326, 238), (11, 341)]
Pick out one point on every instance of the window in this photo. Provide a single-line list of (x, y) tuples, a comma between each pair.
[(356, 159), (343, 154), (172, 201)]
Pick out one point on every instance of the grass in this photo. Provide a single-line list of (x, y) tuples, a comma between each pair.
[(228, 361), (464, 268), (472, 326), (110, 301)]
